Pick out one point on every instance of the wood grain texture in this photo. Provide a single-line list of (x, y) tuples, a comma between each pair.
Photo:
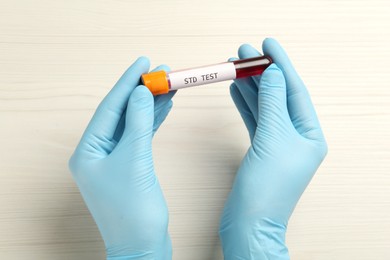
[(59, 58)]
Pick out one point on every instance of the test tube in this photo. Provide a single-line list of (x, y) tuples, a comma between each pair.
[(161, 82)]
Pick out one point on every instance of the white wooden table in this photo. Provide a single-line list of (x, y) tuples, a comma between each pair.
[(58, 59)]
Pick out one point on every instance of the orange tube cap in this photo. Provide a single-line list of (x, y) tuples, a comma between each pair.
[(156, 82)]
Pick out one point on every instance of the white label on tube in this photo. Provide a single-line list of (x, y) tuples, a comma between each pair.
[(202, 75)]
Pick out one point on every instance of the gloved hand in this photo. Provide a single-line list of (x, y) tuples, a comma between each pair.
[(287, 147), (113, 168)]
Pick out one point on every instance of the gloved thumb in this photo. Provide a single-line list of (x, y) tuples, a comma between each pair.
[(139, 119), (272, 97)]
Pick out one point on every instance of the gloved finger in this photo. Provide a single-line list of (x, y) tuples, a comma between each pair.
[(159, 103), (300, 107), (273, 113), (248, 86), (244, 91), (139, 121), (162, 103), (165, 104), (120, 127), (104, 123), (244, 110), (160, 117)]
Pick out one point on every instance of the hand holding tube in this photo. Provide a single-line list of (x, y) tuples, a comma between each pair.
[(113, 168), (287, 147)]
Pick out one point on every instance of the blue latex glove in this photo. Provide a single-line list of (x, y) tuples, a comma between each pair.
[(287, 147), (113, 168)]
